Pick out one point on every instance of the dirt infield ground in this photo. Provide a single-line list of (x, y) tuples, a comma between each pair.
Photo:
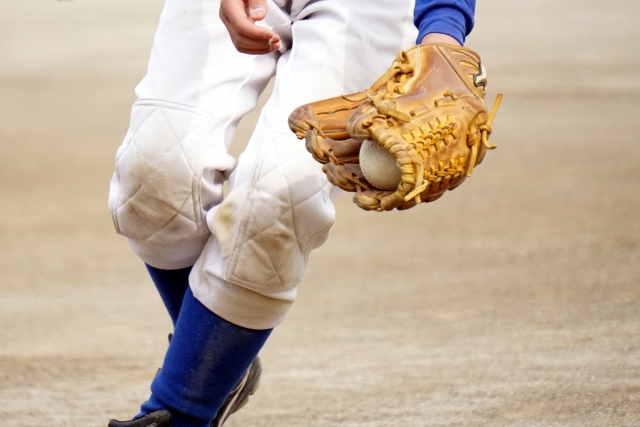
[(515, 301)]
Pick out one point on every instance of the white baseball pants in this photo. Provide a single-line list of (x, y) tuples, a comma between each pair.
[(250, 247)]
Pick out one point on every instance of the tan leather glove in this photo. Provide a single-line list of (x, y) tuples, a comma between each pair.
[(427, 110)]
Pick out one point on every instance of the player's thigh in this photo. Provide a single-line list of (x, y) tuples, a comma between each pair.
[(279, 207), (193, 62), (341, 46), (171, 166)]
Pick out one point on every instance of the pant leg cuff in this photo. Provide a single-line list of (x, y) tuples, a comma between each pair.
[(242, 306)]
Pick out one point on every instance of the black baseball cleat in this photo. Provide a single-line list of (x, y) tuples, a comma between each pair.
[(239, 396), (161, 418)]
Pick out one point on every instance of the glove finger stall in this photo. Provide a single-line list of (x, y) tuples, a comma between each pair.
[(349, 177), (328, 117), (328, 150)]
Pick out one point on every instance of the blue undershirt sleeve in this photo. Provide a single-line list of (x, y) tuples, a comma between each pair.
[(450, 17)]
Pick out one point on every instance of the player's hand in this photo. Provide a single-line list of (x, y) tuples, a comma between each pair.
[(239, 16)]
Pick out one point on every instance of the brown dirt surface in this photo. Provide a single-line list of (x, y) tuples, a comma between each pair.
[(512, 301)]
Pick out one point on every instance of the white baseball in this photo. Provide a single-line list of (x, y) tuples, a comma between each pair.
[(379, 166)]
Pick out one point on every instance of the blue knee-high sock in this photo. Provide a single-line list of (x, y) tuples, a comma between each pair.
[(172, 285), (205, 360)]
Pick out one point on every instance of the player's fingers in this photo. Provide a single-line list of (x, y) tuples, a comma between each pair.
[(236, 15), (248, 45), (243, 42), (257, 9)]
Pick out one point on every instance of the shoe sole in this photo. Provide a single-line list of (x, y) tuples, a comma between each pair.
[(239, 396)]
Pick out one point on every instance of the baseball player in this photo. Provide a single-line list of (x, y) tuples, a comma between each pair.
[(227, 266)]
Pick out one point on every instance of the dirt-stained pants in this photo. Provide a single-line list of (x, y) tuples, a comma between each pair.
[(250, 248)]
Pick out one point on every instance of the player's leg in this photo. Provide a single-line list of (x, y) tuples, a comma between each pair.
[(171, 167), (171, 285), (279, 206), (207, 357), (278, 209)]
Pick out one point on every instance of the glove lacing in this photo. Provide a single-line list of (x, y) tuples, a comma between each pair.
[(412, 167), (485, 132)]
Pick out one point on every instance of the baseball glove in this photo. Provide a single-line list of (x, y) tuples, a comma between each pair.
[(426, 113)]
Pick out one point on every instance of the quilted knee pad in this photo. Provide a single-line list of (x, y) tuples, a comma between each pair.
[(278, 211), (157, 197)]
